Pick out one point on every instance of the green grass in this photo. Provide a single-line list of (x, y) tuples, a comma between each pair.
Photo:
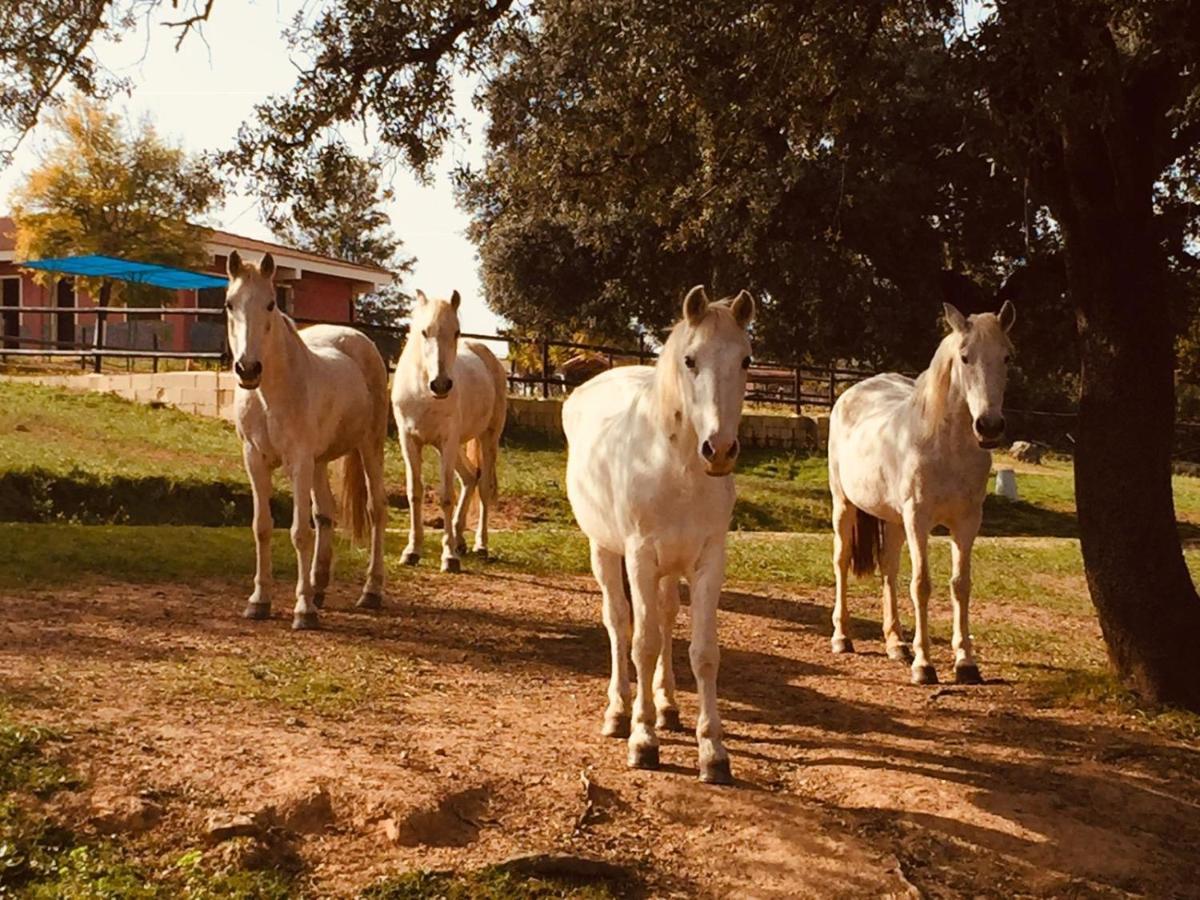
[(491, 883)]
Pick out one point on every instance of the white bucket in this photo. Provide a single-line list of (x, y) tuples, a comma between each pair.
[(1006, 484)]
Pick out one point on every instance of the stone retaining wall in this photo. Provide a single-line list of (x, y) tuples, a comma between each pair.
[(211, 394)]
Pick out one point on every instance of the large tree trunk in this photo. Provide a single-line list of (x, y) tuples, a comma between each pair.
[(1148, 608)]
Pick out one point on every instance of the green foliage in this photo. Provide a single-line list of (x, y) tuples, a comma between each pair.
[(24, 765), (110, 187), (336, 212)]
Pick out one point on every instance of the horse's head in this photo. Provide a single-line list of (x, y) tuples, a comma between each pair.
[(249, 313), (435, 326), (980, 367), (711, 352)]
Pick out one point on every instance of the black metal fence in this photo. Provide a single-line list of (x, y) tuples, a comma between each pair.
[(781, 384)]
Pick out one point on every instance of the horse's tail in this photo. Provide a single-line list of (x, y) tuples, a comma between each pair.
[(355, 505), (484, 464), (866, 544)]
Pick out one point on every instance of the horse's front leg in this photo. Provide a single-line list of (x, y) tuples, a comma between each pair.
[(259, 604), (323, 508), (606, 566), (642, 563), (706, 660), (410, 448), (304, 615), (962, 537), (664, 676), (916, 529), (449, 458)]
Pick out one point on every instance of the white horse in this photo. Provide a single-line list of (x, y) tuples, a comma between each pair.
[(449, 392), (644, 445), (906, 456), (305, 399)]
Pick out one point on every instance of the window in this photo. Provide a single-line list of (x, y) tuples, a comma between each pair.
[(210, 298), (10, 320)]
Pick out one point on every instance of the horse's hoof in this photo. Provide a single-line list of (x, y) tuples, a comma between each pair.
[(452, 565), (319, 600), (616, 727), (643, 756), (716, 772), (900, 653), (410, 559), (668, 720), (461, 549), (843, 645), (968, 674), (257, 611), (369, 600), (924, 675), (481, 552), (305, 621)]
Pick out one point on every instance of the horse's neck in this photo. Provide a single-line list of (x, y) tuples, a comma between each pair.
[(283, 365)]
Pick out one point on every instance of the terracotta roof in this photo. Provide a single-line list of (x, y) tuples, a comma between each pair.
[(216, 235), (246, 243)]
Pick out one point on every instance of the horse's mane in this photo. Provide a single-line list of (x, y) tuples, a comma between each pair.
[(933, 385)]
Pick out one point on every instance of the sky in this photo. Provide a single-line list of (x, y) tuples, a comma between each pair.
[(199, 96)]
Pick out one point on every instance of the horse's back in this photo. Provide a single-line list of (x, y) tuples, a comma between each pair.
[(868, 428), (594, 404), (344, 351)]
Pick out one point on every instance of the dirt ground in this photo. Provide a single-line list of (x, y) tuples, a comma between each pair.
[(459, 726)]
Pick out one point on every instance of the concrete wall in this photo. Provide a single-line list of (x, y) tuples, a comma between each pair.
[(211, 394), (200, 393)]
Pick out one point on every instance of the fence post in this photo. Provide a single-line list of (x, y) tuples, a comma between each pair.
[(641, 349), (154, 340), (797, 387), (832, 384), (100, 314), (545, 368)]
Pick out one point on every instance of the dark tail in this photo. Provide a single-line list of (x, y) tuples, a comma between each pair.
[(866, 544)]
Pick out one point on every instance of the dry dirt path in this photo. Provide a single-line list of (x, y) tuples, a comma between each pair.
[(458, 727)]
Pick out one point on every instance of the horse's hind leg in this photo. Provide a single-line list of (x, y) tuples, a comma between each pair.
[(843, 547), (889, 567), (664, 675), (323, 513), (489, 456), (372, 461), (411, 449), (469, 478), (606, 566), (962, 541)]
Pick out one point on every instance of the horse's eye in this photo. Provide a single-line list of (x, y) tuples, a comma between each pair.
[(746, 363), (690, 362), (425, 332), (228, 305), (271, 306), (457, 334), (1007, 359), (964, 359)]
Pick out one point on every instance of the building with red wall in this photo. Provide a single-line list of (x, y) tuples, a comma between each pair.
[(310, 286)]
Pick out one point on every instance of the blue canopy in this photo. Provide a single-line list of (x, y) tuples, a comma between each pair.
[(126, 270)]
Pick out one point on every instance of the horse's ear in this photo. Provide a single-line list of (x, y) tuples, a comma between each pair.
[(695, 304), (1008, 315), (266, 266), (421, 298), (954, 318), (233, 265), (743, 309), (455, 299)]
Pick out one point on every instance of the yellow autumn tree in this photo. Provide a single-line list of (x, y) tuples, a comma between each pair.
[(107, 185)]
